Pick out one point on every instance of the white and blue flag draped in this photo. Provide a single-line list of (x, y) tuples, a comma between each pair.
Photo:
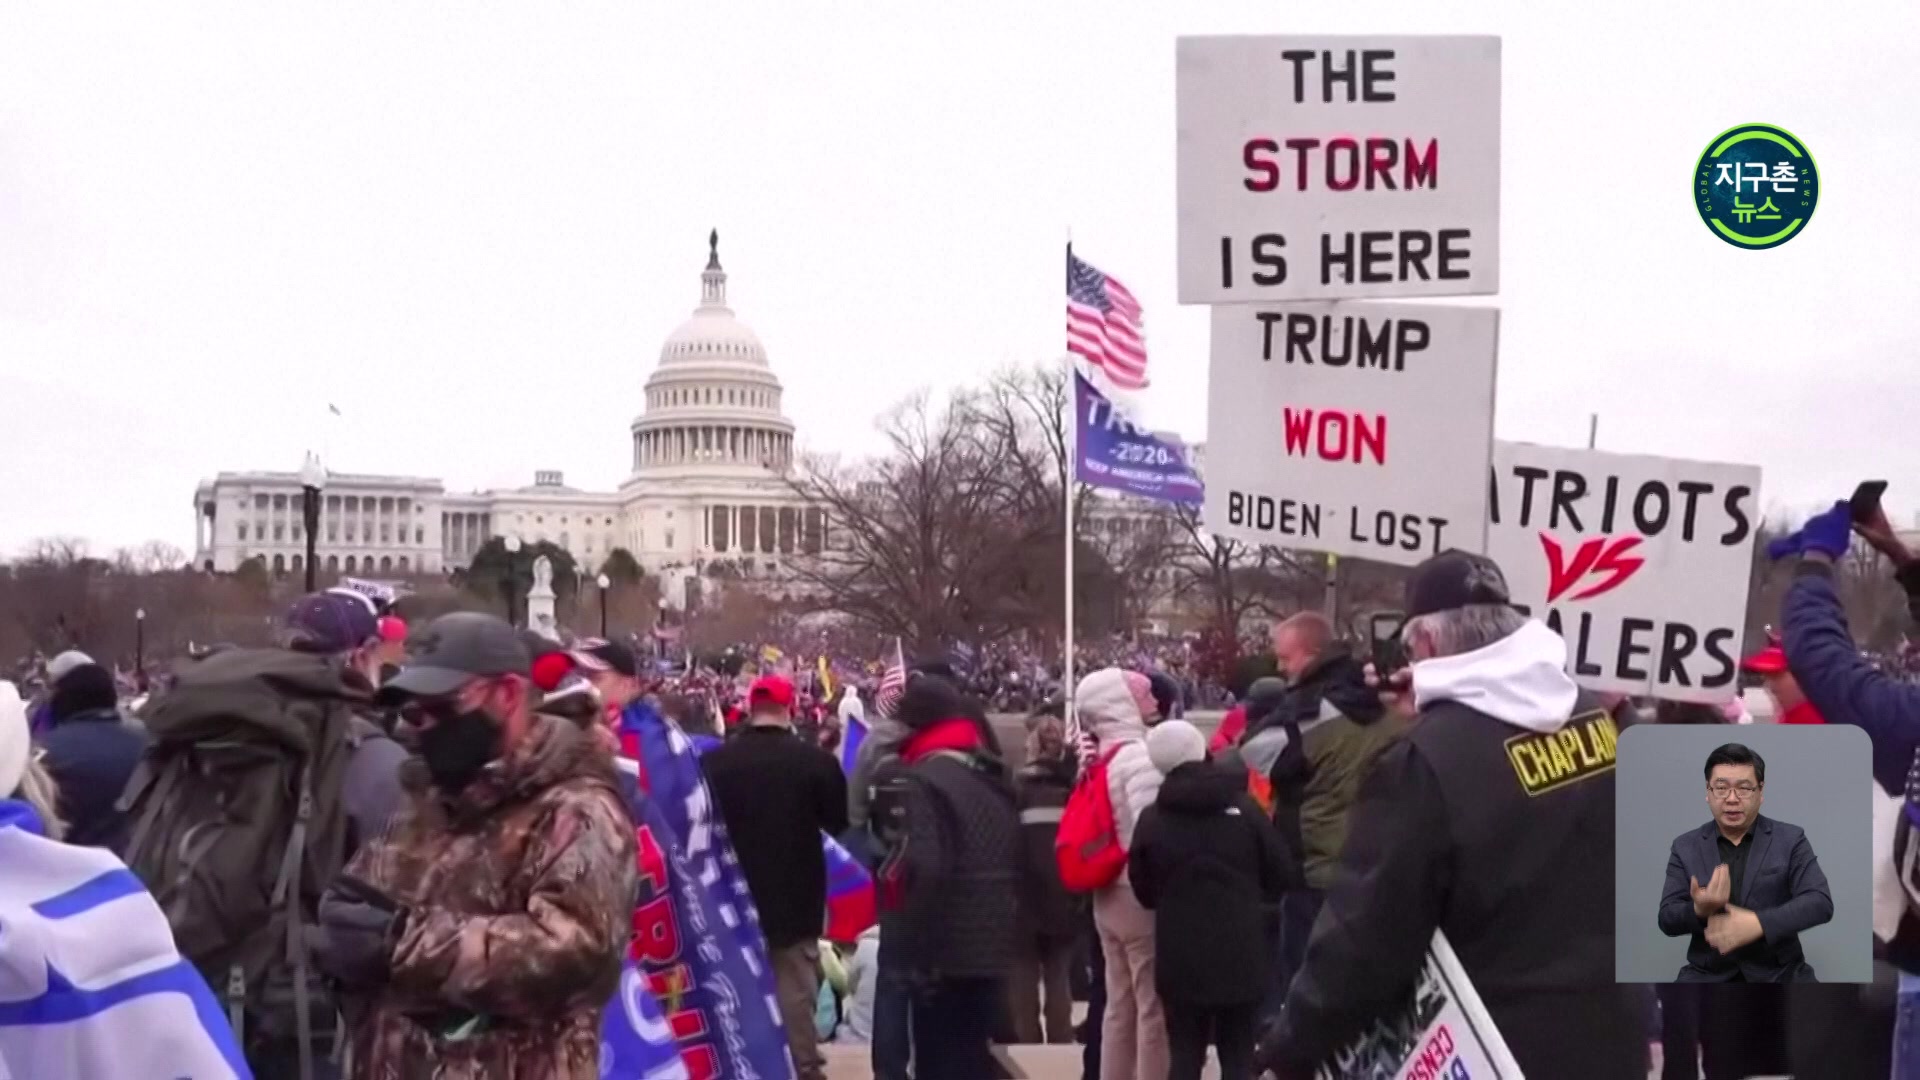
[(90, 982)]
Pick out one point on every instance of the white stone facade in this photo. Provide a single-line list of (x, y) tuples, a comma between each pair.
[(710, 450)]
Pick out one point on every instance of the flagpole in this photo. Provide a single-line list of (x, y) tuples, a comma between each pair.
[(1066, 499)]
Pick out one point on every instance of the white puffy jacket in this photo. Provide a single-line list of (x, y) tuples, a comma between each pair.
[(1109, 709)]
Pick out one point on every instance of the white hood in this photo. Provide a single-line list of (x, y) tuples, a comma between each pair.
[(1520, 680), (851, 707)]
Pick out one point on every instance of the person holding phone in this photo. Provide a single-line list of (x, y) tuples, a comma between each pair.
[(1470, 824)]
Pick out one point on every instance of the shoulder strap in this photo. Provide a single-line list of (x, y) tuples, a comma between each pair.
[(166, 780), (287, 890)]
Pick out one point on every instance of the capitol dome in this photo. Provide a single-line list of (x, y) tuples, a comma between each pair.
[(713, 403), (713, 334)]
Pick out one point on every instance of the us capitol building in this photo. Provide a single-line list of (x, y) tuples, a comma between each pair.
[(711, 450)]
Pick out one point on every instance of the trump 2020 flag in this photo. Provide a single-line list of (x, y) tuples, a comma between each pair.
[(851, 903), (1113, 453), (636, 1042), (696, 936), (90, 982)]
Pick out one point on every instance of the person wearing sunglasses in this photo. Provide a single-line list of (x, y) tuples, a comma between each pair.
[(483, 934)]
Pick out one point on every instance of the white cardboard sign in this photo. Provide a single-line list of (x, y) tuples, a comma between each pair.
[(1641, 563), (1314, 168), (1356, 429), (1442, 1031)]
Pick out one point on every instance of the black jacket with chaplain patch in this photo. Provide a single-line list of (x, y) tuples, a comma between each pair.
[(1503, 839)]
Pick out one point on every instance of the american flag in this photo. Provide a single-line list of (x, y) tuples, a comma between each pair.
[(1103, 324), (893, 682)]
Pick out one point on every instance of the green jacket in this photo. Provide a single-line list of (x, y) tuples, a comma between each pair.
[(1315, 748)]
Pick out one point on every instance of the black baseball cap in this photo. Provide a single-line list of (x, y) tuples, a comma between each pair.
[(599, 654), (1455, 579), (455, 649)]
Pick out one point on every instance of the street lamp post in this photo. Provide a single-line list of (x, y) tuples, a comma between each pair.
[(512, 544), (603, 581), (313, 477), (139, 639)]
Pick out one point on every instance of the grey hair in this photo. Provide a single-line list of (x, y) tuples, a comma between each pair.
[(38, 790), (1464, 629)]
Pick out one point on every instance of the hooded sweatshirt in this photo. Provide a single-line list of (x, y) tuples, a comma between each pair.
[(1520, 680), (1108, 707)]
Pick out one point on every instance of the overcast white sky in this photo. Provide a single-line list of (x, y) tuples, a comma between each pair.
[(472, 226)]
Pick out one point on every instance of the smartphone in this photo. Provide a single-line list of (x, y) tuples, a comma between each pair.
[(1866, 500), (1389, 652)]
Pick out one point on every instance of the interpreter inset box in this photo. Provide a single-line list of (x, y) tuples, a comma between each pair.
[(1743, 852)]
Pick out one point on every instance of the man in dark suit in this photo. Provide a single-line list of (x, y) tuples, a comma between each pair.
[(1762, 884)]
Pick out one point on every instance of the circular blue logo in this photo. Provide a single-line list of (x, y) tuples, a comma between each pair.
[(1756, 186)]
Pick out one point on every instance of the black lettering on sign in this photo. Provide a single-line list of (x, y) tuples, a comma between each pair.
[(1562, 499), (1343, 341), (1550, 760), (1287, 517), (1338, 69)]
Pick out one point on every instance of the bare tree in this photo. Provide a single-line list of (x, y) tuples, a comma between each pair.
[(936, 540), (1235, 580), (152, 557)]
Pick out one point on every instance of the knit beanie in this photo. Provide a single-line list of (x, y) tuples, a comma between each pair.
[(58, 667), (15, 743), (87, 688), (1173, 743), (1166, 694)]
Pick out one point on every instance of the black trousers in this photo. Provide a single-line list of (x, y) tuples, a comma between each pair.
[(953, 1022), (1191, 1029), (1736, 1029)]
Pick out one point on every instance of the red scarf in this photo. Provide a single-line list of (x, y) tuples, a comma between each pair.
[(956, 733)]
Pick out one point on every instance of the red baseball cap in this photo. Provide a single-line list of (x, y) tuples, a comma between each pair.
[(1771, 660), (771, 688)]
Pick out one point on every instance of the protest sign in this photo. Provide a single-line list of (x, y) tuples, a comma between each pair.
[(1641, 563), (1313, 168), (1116, 455), (1442, 1032), (1354, 429), (380, 592)]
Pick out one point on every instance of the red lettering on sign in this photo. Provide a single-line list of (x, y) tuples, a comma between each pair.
[(1601, 555), (651, 859), (656, 933), (1333, 435), (702, 1062), (1343, 162)]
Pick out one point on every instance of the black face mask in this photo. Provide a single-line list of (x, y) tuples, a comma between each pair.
[(457, 747)]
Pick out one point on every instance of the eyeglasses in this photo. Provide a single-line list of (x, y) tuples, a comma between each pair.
[(1742, 791)]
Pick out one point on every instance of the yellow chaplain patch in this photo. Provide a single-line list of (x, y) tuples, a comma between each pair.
[(1551, 760)]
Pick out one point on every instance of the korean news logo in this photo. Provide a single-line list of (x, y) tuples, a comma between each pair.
[(1756, 186)]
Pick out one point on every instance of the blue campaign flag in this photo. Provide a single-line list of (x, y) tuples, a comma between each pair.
[(636, 1042), (1117, 455), (850, 740)]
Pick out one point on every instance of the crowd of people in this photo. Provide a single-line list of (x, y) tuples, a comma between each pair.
[(462, 850)]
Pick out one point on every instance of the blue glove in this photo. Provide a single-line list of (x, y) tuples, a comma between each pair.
[(1829, 533)]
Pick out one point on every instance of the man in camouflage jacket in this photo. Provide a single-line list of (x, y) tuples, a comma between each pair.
[(483, 935)]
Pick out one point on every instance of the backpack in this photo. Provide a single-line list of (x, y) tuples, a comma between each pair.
[(236, 828), (1087, 846)]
